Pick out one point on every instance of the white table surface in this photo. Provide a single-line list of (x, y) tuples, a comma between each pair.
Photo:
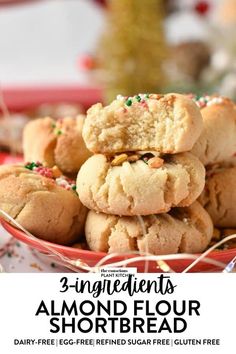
[(19, 258)]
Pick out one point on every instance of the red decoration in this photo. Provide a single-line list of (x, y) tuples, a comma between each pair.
[(101, 2), (202, 7), (86, 62)]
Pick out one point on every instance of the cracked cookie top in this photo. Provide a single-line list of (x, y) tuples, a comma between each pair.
[(182, 230), (148, 185), (35, 199)]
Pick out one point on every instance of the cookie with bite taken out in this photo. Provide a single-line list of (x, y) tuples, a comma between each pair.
[(169, 123)]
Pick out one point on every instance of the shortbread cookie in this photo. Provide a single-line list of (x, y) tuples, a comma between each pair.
[(219, 196), (166, 123), (182, 230), (44, 203), (231, 162), (140, 184), (217, 142), (56, 143)]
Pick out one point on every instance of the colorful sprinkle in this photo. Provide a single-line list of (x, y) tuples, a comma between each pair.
[(205, 101), (53, 173), (57, 127), (141, 99), (32, 165), (144, 104), (129, 102), (66, 183), (120, 98), (44, 171)]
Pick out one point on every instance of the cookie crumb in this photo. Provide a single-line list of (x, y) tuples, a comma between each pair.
[(118, 160), (36, 266), (133, 158), (155, 162), (56, 172)]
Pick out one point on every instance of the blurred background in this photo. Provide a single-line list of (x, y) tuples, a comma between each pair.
[(179, 44), (77, 52)]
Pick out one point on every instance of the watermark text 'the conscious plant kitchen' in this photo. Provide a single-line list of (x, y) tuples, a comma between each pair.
[(134, 305)]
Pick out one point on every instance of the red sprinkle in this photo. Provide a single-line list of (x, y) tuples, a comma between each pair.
[(144, 104), (202, 7), (44, 171)]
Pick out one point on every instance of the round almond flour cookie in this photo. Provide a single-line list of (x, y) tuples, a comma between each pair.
[(140, 184), (45, 205), (166, 123), (182, 230), (56, 143), (219, 197), (217, 142), (231, 162)]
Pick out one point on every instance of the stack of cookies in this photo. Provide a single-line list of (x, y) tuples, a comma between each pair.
[(216, 149), (141, 163), (142, 183)]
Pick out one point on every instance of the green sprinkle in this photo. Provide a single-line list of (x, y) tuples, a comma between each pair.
[(9, 254), (146, 157), (59, 132), (138, 98), (147, 95), (53, 125), (145, 160), (30, 166), (73, 187), (129, 102)]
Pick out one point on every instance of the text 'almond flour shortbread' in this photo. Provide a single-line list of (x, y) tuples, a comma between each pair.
[(219, 196), (140, 184), (217, 142), (182, 230), (166, 123), (43, 201), (56, 143)]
